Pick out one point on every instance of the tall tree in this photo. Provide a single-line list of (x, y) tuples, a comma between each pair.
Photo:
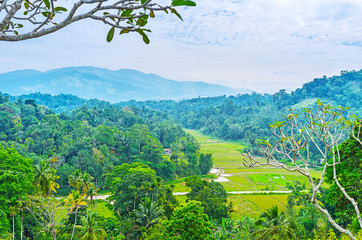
[(45, 178), (212, 195), (16, 177), (188, 223), (148, 213), (275, 225), (349, 173), (75, 200), (89, 229), (131, 183)]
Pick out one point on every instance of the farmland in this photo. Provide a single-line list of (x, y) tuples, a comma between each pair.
[(227, 157)]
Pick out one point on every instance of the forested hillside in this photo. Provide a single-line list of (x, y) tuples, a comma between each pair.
[(246, 117), (57, 103), (136, 151), (94, 140)]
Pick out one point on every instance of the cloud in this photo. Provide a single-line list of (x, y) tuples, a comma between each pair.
[(255, 44)]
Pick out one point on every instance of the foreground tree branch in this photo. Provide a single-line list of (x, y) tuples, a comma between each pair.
[(26, 19), (322, 128)]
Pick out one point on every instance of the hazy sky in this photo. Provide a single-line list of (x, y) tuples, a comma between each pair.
[(263, 45)]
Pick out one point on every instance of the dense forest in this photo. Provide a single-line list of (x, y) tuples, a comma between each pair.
[(58, 152), (246, 117)]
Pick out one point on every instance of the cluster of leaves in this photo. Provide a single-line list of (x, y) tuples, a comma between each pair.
[(212, 196), (349, 172)]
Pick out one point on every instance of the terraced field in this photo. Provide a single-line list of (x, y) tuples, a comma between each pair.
[(227, 157)]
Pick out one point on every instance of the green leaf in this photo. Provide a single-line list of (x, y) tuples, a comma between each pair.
[(60, 9), (176, 13), (143, 1), (142, 21), (26, 13), (110, 35), (45, 14), (123, 31), (144, 36), (127, 13), (47, 3), (26, 4), (183, 3), (152, 14)]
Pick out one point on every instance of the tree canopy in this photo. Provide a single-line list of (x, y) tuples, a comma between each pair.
[(16, 177), (188, 223)]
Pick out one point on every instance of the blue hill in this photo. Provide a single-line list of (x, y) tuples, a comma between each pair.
[(105, 84)]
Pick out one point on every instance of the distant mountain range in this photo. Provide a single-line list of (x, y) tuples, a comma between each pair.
[(105, 84)]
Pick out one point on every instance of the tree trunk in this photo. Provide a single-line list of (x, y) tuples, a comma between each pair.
[(13, 227), (75, 222), (53, 231), (21, 227)]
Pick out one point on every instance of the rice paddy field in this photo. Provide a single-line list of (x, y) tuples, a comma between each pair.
[(227, 158)]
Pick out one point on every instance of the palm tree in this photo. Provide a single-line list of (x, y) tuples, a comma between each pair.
[(89, 230), (91, 193), (148, 213), (45, 178), (74, 179), (81, 180), (13, 211), (275, 225), (76, 200), (86, 182)]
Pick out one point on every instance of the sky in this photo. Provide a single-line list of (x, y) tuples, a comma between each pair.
[(261, 45)]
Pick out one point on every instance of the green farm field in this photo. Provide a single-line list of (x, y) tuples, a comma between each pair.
[(227, 158), (251, 205)]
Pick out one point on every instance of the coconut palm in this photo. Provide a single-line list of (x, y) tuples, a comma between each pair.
[(275, 225), (89, 230), (148, 213), (76, 200), (83, 181), (86, 182), (74, 179), (45, 178), (92, 193)]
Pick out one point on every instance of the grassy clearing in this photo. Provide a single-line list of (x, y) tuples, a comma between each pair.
[(181, 199), (242, 207), (263, 202), (180, 183), (226, 154), (102, 209), (251, 205), (180, 187)]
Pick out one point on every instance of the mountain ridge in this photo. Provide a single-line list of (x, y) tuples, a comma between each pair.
[(110, 85)]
